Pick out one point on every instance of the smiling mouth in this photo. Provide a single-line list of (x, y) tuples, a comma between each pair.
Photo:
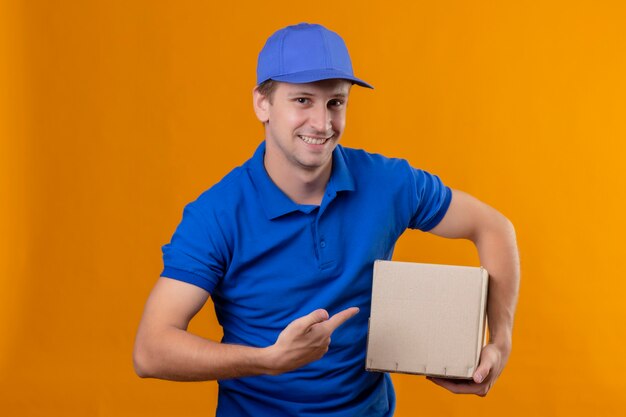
[(315, 141)]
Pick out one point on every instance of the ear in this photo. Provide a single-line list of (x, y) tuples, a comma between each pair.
[(261, 105)]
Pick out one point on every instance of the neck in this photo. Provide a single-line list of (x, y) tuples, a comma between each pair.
[(303, 186)]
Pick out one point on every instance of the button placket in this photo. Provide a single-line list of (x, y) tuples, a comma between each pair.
[(314, 235), (322, 238), (323, 244)]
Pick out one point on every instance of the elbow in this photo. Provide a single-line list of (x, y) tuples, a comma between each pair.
[(496, 226), (494, 220), (502, 225), (141, 360), (140, 369), (506, 225)]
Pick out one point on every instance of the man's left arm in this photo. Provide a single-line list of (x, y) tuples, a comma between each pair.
[(494, 237)]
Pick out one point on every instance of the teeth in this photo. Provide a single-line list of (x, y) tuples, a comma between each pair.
[(313, 141)]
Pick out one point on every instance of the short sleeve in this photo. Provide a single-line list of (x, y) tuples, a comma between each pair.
[(431, 200), (197, 253)]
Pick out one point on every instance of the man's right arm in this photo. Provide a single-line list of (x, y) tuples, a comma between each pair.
[(164, 348)]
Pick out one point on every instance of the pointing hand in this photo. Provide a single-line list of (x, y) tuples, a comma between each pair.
[(305, 340)]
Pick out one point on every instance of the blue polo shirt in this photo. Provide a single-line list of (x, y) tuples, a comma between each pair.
[(266, 261)]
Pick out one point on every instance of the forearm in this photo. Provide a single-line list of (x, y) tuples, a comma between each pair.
[(497, 249), (164, 349), (494, 237), (177, 355)]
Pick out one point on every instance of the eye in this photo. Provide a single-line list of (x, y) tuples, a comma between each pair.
[(302, 100), (335, 103)]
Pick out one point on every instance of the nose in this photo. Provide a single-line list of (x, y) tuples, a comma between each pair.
[(321, 120)]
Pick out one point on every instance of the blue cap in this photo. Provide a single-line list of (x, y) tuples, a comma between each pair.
[(305, 53)]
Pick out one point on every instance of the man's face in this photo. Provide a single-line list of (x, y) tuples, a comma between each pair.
[(304, 122)]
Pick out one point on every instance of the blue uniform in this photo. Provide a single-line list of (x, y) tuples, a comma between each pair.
[(266, 261)]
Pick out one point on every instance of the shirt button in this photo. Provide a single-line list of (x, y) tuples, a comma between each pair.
[(323, 244)]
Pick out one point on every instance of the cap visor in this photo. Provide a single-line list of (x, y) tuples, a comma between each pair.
[(318, 75)]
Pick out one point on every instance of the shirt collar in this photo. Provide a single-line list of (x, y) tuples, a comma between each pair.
[(275, 202)]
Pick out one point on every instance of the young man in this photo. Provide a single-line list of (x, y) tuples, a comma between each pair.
[(285, 245)]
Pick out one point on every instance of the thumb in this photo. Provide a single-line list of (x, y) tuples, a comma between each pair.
[(484, 367), (304, 323)]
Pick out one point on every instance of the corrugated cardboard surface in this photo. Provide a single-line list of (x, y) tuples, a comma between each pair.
[(427, 319)]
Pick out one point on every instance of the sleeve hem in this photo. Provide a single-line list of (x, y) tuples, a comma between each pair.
[(441, 213), (188, 277)]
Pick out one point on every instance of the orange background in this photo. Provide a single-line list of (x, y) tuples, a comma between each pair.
[(115, 114)]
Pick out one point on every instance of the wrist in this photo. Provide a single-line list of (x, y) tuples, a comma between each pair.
[(267, 361), (503, 342)]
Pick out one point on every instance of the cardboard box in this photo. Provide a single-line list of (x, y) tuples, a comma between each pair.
[(427, 319)]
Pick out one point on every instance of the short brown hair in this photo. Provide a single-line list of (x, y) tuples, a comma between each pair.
[(267, 88)]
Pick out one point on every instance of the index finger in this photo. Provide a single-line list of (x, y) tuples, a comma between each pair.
[(340, 318)]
